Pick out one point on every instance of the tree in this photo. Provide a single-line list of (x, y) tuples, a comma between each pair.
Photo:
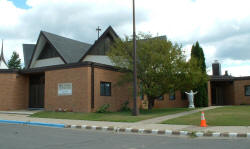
[(161, 66), (201, 99), (15, 61)]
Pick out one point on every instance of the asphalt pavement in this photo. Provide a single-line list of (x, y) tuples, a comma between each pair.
[(34, 137)]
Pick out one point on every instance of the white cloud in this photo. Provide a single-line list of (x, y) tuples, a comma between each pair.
[(234, 67), (77, 20), (9, 14), (222, 27), (185, 20)]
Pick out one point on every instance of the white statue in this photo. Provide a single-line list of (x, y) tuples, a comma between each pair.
[(191, 98)]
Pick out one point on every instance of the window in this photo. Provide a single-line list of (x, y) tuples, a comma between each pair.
[(183, 95), (141, 92), (48, 52), (160, 98), (105, 88), (172, 95), (141, 96), (247, 90)]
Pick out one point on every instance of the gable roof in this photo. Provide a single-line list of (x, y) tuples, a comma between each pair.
[(69, 50), (27, 52), (108, 31)]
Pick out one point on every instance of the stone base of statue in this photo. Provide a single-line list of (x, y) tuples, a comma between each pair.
[(191, 106)]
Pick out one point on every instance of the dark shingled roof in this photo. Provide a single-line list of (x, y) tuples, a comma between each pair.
[(109, 31), (227, 78), (70, 50), (27, 52)]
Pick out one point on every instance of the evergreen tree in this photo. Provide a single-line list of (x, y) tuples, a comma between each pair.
[(15, 61), (201, 98)]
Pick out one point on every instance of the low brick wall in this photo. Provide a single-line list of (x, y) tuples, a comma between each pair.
[(14, 91)]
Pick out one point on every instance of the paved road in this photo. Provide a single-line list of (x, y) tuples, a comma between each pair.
[(29, 137)]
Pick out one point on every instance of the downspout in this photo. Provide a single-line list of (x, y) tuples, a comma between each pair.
[(92, 86)]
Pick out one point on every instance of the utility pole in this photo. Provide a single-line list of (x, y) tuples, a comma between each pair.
[(135, 108), (98, 31)]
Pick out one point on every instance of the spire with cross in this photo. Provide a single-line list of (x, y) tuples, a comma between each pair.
[(3, 64), (98, 30)]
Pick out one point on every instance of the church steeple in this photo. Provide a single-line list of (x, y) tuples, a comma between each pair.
[(3, 64)]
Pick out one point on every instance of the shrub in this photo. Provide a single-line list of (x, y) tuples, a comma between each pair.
[(103, 108), (243, 104), (125, 107)]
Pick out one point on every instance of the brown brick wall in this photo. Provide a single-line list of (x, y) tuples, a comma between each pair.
[(228, 94), (239, 92), (79, 101), (119, 94), (178, 102), (13, 91), (166, 103)]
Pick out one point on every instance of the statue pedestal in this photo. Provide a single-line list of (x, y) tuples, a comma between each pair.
[(191, 106)]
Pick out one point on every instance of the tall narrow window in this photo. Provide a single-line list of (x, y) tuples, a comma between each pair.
[(105, 88), (183, 95), (141, 92), (172, 95)]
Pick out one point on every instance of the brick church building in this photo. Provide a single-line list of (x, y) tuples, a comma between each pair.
[(65, 74)]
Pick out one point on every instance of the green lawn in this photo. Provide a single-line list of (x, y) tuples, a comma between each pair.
[(111, 116), (224, 116)]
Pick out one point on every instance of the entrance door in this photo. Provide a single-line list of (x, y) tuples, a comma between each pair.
[(217, 95), (36, 94)]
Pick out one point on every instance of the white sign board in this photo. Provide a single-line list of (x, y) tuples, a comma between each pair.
[(64, 89)]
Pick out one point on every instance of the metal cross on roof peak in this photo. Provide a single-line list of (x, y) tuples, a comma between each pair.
[(98, 30)]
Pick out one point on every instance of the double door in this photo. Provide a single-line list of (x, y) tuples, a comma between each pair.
[(36, 91)]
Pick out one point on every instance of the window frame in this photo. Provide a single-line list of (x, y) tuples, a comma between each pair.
[(246, 86), (105, 88)]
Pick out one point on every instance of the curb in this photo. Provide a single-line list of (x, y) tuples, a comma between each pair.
[(161, 132), (135, 130), (33, 123)]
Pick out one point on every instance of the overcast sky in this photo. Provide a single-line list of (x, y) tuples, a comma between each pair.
[(221, 26)]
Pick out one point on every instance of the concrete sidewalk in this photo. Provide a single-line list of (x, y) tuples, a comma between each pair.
[(167, 117), (20, 112)]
